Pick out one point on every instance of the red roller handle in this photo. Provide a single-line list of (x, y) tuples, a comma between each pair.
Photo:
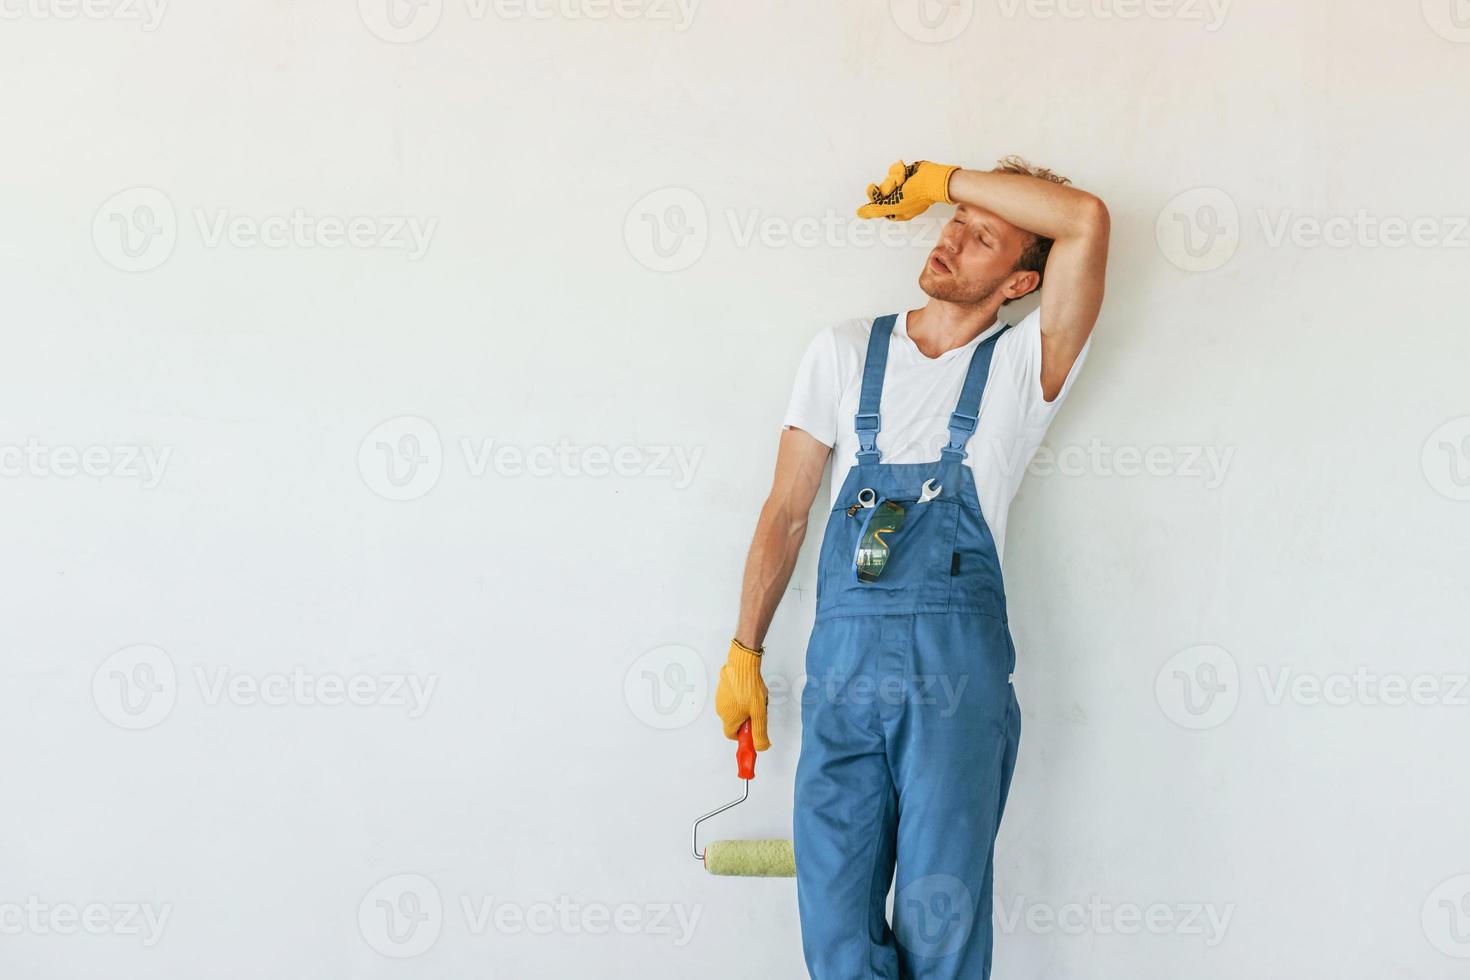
[(745, 752)]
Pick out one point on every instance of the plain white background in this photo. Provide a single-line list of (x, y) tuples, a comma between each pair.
[(389, 392)]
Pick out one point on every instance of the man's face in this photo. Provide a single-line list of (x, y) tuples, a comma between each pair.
[(976, 255)]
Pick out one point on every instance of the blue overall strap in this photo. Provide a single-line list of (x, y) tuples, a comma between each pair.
[(866, 420), (967, 411)]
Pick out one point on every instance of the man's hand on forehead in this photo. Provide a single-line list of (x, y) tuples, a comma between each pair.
[(908, 190)]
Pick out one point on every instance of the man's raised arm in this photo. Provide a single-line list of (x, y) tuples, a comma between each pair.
[(1078, 224)]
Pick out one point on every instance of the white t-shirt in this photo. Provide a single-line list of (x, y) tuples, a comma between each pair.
[(919, 393)]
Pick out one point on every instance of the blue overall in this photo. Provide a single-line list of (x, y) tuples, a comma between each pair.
[(909, 721)]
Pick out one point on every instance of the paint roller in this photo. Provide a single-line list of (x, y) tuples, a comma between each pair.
[(745, 858)]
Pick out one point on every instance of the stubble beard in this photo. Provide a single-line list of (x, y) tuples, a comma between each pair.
[(948, 289)]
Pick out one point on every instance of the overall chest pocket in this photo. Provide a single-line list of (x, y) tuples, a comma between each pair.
[(976, 582), (898, 546)]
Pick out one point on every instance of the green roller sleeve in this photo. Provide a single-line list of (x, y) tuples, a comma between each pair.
[(751, 858)]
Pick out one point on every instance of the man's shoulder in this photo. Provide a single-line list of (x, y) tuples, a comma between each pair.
[(843, 344), (1023, 333), (852, 333)]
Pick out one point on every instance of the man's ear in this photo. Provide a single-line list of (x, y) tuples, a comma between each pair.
[(1020, 284)]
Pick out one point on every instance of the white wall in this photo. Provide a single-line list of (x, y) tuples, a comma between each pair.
[(559, 618)]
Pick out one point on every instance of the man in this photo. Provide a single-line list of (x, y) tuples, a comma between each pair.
[(909, 721)]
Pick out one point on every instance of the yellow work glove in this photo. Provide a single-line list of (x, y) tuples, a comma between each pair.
[(741, 694), (908, 191)]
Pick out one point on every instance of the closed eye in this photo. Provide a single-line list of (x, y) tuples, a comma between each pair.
[(981, 235)]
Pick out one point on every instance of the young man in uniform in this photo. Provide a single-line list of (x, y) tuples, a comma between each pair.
[(930, 417)]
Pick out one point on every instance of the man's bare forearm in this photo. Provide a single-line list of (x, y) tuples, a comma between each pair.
[(1076, 265), (1052, 210), (779, 533)]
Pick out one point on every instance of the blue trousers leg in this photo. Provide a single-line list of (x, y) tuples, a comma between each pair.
[(953, 756), (910, 729), (845, 825)]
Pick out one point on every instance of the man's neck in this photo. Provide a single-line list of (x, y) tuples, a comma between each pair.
[(942, 326)]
